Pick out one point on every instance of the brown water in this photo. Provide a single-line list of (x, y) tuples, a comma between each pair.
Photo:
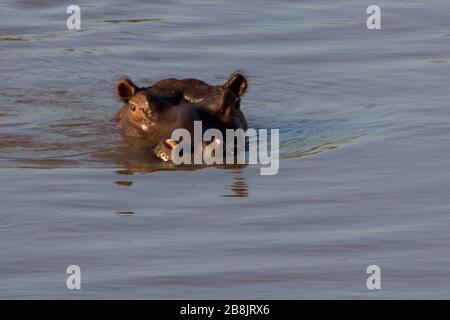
[(364, 177)]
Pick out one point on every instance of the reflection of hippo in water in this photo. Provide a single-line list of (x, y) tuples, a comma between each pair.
[(153, 113)]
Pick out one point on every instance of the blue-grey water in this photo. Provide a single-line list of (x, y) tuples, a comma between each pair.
[(364, 130)]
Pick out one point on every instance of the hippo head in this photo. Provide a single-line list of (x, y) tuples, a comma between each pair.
[(144, 113), (140, 114), (224, 102)]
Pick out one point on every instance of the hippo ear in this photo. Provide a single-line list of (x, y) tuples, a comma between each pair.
[(237, 83), (125, 89)]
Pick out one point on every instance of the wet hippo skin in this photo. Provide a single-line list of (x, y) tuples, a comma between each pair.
[(154, 112)]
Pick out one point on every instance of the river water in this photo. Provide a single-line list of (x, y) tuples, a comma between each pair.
[(364, 175)]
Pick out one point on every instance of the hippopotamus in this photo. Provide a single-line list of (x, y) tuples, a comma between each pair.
[(153, 113)]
